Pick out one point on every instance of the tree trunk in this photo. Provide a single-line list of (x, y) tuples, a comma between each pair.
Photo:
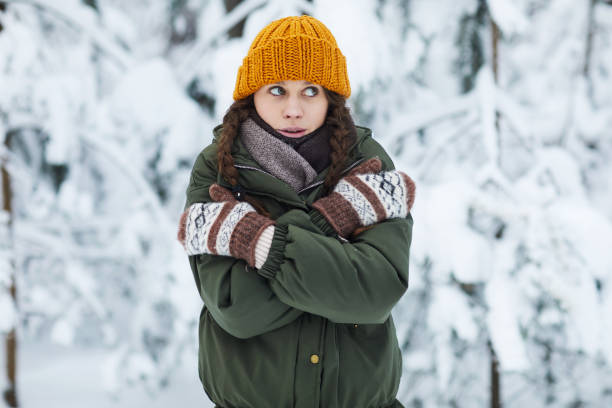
[(495, 386), (495, 380), (2, 9), (235, 31), (589, 39), (10, 393), (495, 60)]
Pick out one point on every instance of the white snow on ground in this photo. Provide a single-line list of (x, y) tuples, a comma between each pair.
[(52, 376)]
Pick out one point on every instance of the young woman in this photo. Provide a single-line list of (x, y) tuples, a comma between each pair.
[(298, 231)]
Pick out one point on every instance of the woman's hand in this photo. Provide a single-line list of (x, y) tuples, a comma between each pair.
[(223, 227), (367, 196)]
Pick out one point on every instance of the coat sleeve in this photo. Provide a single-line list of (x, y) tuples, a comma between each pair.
[(240, 300), (346, 282), (311, 269)]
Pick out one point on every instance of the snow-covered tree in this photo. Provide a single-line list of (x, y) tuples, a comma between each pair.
[(498, 109), (510, 245)]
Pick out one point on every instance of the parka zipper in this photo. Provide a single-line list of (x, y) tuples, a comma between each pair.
[(322, 181), (308, 187), (241, 166)]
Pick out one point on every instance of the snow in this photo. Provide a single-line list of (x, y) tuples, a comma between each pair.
[(62, 333), (485, 88), (159, 111), (591, 234), (7, 310), (507, 16), (503, 298), (7, 305), (513, 216), (194, 56), (64, 377), (446, 208), (365, 59), (118, 23)]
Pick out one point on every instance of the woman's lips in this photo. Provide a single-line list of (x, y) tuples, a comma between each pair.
[(292, 131)]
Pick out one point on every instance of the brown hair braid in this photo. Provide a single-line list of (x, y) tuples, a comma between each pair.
[(338, 119), (237, 113), (342, 135)]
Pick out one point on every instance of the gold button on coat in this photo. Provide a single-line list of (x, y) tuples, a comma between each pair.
[(314, 359)]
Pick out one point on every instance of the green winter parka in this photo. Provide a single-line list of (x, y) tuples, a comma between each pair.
[(313, 327)]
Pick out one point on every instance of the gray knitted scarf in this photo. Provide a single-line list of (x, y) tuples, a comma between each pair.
[(276, 157)]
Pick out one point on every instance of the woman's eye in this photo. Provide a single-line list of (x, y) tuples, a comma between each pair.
[(311, 91), (277, 91)]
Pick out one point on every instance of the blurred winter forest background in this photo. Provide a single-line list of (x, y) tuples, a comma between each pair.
[(501, 110)]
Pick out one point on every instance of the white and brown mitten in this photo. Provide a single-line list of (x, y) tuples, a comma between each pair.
[(367, 196), (226, 227)]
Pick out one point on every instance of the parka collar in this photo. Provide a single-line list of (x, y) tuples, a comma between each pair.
[(272, 186)]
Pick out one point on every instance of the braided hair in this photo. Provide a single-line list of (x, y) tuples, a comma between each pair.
[(342, 134), (338, 119)]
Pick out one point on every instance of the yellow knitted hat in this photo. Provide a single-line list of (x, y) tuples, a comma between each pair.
[(293, 48)]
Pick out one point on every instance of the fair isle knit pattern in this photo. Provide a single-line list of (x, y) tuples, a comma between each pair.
[(228, 227), (391, 190), (200, 219), (362, 206), (360, 200)]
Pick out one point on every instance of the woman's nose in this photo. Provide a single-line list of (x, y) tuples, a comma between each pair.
[(293, 109)]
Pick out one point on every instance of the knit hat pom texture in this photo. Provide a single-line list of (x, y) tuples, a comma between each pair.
[(293, 48)]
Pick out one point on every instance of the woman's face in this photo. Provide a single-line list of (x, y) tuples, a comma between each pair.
[(292, 108)]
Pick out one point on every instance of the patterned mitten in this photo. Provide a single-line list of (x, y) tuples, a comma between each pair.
[(224, 227), (367, 196)]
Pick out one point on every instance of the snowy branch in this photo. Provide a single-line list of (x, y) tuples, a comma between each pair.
[(446, 142), (424, 117), (84, 23), (34, 238), (507, 16), (141, 185), (186, 70)]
